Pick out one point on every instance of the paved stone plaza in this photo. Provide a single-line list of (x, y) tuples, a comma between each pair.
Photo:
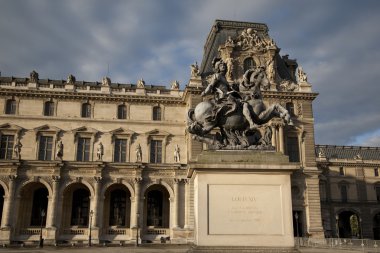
[(151, 248)]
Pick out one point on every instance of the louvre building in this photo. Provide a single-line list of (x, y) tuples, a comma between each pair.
[(109, 160)]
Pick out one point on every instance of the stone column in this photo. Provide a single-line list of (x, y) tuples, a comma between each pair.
[(95, 206), (274, 132), (136, 208), (313, 203), (9, 203), (281, 137), (176, 203), (187, 202), (50, 221)]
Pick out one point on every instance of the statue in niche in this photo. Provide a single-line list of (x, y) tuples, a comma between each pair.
[(33, 77), (194, 69), (174, 85), (138, 153), (59, 150), (238, 111), (141, 83), (177, 157), (17, 147), (70, 79), (100, 151), (106, 81), (302, 77)]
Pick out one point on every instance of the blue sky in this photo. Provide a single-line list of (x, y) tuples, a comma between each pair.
[(336, 43)]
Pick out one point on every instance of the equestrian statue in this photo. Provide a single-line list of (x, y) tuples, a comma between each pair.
[(237, 111)]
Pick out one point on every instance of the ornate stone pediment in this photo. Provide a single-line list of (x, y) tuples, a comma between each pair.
[(48, 128), (10, 128), (122, 131)]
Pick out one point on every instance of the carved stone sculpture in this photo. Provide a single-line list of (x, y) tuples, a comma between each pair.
[(287, 85), (33, 77), (59, 150), (17, 148), (100, 151), (175, 85), (194, 69), (141, 83), (106, 81), (177, 157), (138, 153), (302, 77), (70, 79), (239, 113)]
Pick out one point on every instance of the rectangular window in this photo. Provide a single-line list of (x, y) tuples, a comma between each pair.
[(343, 193), (49, 109), (156, 151), (120, 153), (293, 149), (341, 171), (6, 147), (83, 151), (45, 148), (378, 193), (10, 107), (376, 172)]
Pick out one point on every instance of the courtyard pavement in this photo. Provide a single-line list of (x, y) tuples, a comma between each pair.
[(152, 248)]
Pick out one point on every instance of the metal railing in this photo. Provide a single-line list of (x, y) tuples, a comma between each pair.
[(339, 243)]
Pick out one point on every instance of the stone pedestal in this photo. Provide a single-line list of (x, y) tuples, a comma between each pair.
[(242, 199)]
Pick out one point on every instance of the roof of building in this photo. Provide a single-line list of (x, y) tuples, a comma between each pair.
[(4, 79), (348, 152)]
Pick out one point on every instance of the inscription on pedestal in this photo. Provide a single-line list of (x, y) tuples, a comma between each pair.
[(245, 209)]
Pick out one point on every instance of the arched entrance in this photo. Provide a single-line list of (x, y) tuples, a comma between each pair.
[(33, 204), (76, 206), (376, 226), (117, 206), (157, 207), (349, 225), (2, 193)]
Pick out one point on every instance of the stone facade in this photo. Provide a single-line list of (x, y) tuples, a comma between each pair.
[(52, 160)]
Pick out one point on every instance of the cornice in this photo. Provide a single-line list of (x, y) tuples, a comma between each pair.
[(69, 95)]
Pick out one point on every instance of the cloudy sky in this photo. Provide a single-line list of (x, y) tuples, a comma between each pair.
[(336, 42)]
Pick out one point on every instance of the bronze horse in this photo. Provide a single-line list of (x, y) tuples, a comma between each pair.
[(235, 128)]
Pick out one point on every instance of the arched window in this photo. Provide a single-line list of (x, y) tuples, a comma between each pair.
[(248, 63), (157, 207), (49, 108), (40, 203), (10, 107), (156, 113), (121, 112), (80, 207), (86, 110), (2, 193), (118, 208)]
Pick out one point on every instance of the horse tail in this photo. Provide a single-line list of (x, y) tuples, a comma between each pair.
[(190, 116)]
